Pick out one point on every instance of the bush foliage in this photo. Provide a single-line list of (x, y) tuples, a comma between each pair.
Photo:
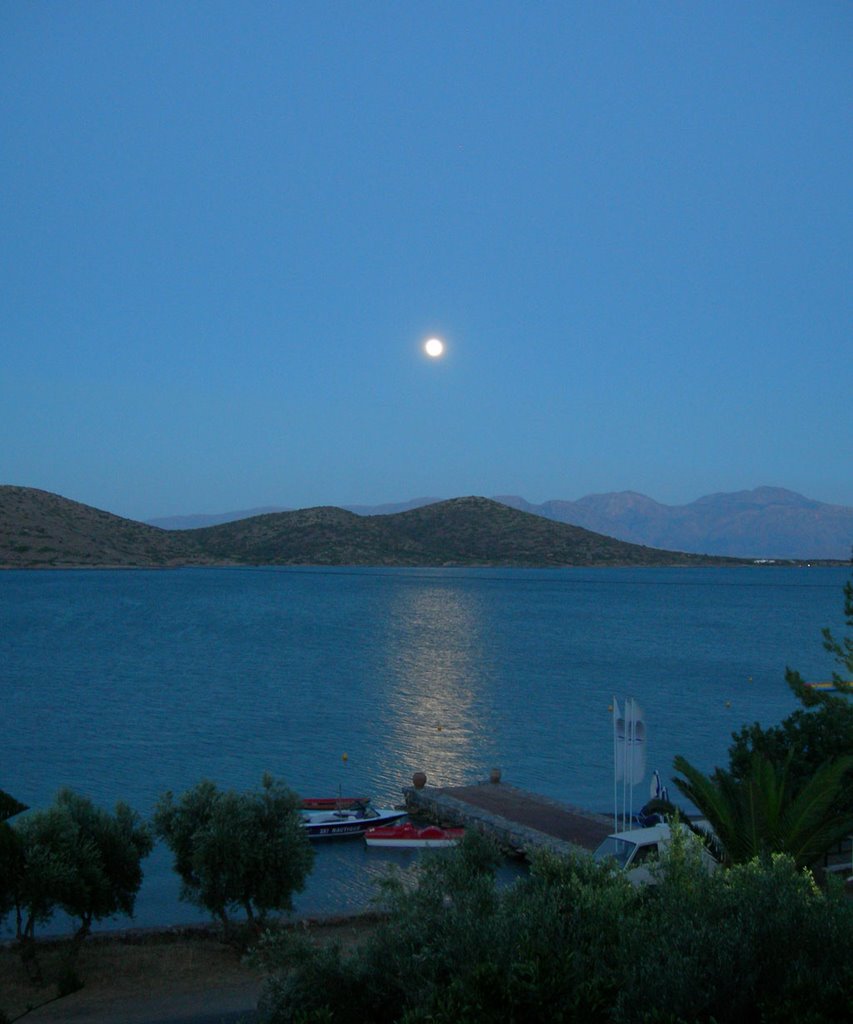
[(821, 730), (575, 942)]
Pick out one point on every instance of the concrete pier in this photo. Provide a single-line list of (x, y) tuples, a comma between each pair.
[(520, 821)]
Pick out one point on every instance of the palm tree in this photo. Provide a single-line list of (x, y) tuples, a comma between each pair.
[(762, 813)]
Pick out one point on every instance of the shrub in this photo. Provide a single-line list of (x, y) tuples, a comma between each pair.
[(575, 942)]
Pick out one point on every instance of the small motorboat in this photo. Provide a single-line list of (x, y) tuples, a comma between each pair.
[(332, 803), (347, 821), (411, 836)]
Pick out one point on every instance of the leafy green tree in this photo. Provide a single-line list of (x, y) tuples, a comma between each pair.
[(765, 813), (80, 858), (739, 945), (236, 850), (843, 649), (107, 862), (41, 870), (819, 731), (76, 857)]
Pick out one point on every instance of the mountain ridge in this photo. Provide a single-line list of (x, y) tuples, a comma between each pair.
[(40, 529), (765, 522)]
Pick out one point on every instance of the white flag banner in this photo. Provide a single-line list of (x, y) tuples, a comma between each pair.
[(618, 743), (629, 756), (635, 743)]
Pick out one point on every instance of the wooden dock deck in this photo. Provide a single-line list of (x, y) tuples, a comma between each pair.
[(523, 821)]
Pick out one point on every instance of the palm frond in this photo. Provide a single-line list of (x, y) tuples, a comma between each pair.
[(818, 815)]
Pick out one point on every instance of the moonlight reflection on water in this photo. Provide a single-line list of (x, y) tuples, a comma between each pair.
[(436, 720)]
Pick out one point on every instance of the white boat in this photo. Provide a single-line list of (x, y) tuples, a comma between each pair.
[(347, 821)]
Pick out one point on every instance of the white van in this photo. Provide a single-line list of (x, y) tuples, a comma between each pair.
[(635, 851)]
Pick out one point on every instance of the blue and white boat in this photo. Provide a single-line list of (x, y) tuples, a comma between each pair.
[(346, 822)]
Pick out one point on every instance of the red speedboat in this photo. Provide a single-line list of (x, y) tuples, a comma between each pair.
[(409, 835), (333, 803)]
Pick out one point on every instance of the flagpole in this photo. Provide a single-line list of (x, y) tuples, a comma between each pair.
[(615, 767), (634, 779), (629, 759), (627, 764)]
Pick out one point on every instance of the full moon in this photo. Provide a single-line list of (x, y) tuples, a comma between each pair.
[(434, 347)]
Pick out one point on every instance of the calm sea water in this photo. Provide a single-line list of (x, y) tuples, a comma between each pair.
[(123, 684)]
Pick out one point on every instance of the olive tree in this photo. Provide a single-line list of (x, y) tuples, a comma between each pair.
[(75, 857), (233, 850), (107, 862)]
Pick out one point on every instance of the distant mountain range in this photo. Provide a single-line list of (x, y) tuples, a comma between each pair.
[(195, 522), (39, 529), (767, 522)]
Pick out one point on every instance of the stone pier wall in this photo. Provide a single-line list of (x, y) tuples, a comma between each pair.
[(520, 840)]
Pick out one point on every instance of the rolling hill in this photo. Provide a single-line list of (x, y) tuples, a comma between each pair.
[(38, 529), (766, 522)]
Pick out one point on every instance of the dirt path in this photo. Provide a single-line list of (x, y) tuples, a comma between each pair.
[(148, 978)]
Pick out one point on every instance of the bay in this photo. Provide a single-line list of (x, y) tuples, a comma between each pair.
[(123, 684)]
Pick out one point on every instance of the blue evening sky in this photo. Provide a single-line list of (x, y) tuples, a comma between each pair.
[(228, 227)]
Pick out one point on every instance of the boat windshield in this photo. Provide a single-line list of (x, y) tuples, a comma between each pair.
[(619, 850)]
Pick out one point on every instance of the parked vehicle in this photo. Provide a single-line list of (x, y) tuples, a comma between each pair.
[(636, 851)]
